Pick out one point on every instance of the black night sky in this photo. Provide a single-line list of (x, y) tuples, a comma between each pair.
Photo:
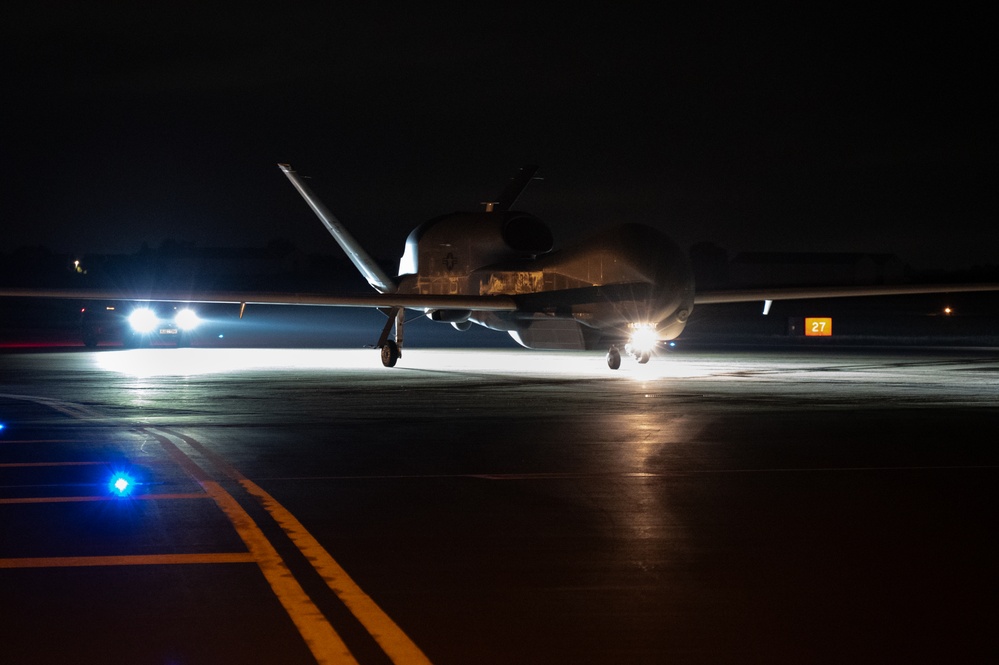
[(765, 129)]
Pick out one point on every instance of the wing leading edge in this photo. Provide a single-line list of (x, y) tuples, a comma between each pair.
[(497, 303), (408, 301), (362, 261)]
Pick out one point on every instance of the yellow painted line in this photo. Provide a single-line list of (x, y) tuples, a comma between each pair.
[(127, 560), (390, 637), (18, 465), (78, 499), (323, 641)]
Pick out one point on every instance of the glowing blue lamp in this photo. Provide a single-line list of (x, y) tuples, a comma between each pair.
[(121, 484)]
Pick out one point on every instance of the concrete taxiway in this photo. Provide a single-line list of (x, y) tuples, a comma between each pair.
[(499, 506)]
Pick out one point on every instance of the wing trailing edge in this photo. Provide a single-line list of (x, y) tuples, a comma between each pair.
[(809, 293)]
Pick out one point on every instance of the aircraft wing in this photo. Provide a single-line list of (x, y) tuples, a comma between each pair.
[(809, 293), (497, 303), (412, 301)]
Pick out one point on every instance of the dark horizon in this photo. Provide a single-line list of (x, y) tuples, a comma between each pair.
[(281, 264), (799, 130)]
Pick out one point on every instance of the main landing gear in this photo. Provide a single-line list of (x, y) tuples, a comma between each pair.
[(390, 353), (391, 350)]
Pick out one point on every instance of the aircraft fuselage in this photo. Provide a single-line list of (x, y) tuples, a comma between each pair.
[(585, 296)]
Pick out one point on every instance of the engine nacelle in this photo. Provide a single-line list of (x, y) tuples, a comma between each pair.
[(450, 315)]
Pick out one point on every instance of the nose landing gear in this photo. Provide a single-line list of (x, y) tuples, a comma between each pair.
[(614, 358)]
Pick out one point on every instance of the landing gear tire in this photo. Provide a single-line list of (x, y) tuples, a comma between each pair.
[(644, 357), (390, 353), (614, 358)]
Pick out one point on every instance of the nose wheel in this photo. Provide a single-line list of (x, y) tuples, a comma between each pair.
[(614, 358)]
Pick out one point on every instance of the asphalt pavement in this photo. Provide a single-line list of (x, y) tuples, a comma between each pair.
[(299, 506)]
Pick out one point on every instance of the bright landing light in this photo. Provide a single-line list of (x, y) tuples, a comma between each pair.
[(643, 338), (143, 320), (187, 319)]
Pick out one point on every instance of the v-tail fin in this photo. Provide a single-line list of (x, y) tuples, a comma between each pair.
[(362, 260)]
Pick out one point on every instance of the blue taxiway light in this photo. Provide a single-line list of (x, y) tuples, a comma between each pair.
[(121, 484)]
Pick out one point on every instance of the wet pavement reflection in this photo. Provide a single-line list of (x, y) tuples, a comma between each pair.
[(509, 506)]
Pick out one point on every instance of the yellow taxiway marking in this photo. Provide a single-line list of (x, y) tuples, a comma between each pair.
[(389, 636), (77, 499), (319, 635), (127, 560)]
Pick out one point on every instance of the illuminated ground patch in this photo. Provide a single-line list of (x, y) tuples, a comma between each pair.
[(521, 362)]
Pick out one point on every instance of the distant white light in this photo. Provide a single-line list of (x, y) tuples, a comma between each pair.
[(143, 320), (187, 319)]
